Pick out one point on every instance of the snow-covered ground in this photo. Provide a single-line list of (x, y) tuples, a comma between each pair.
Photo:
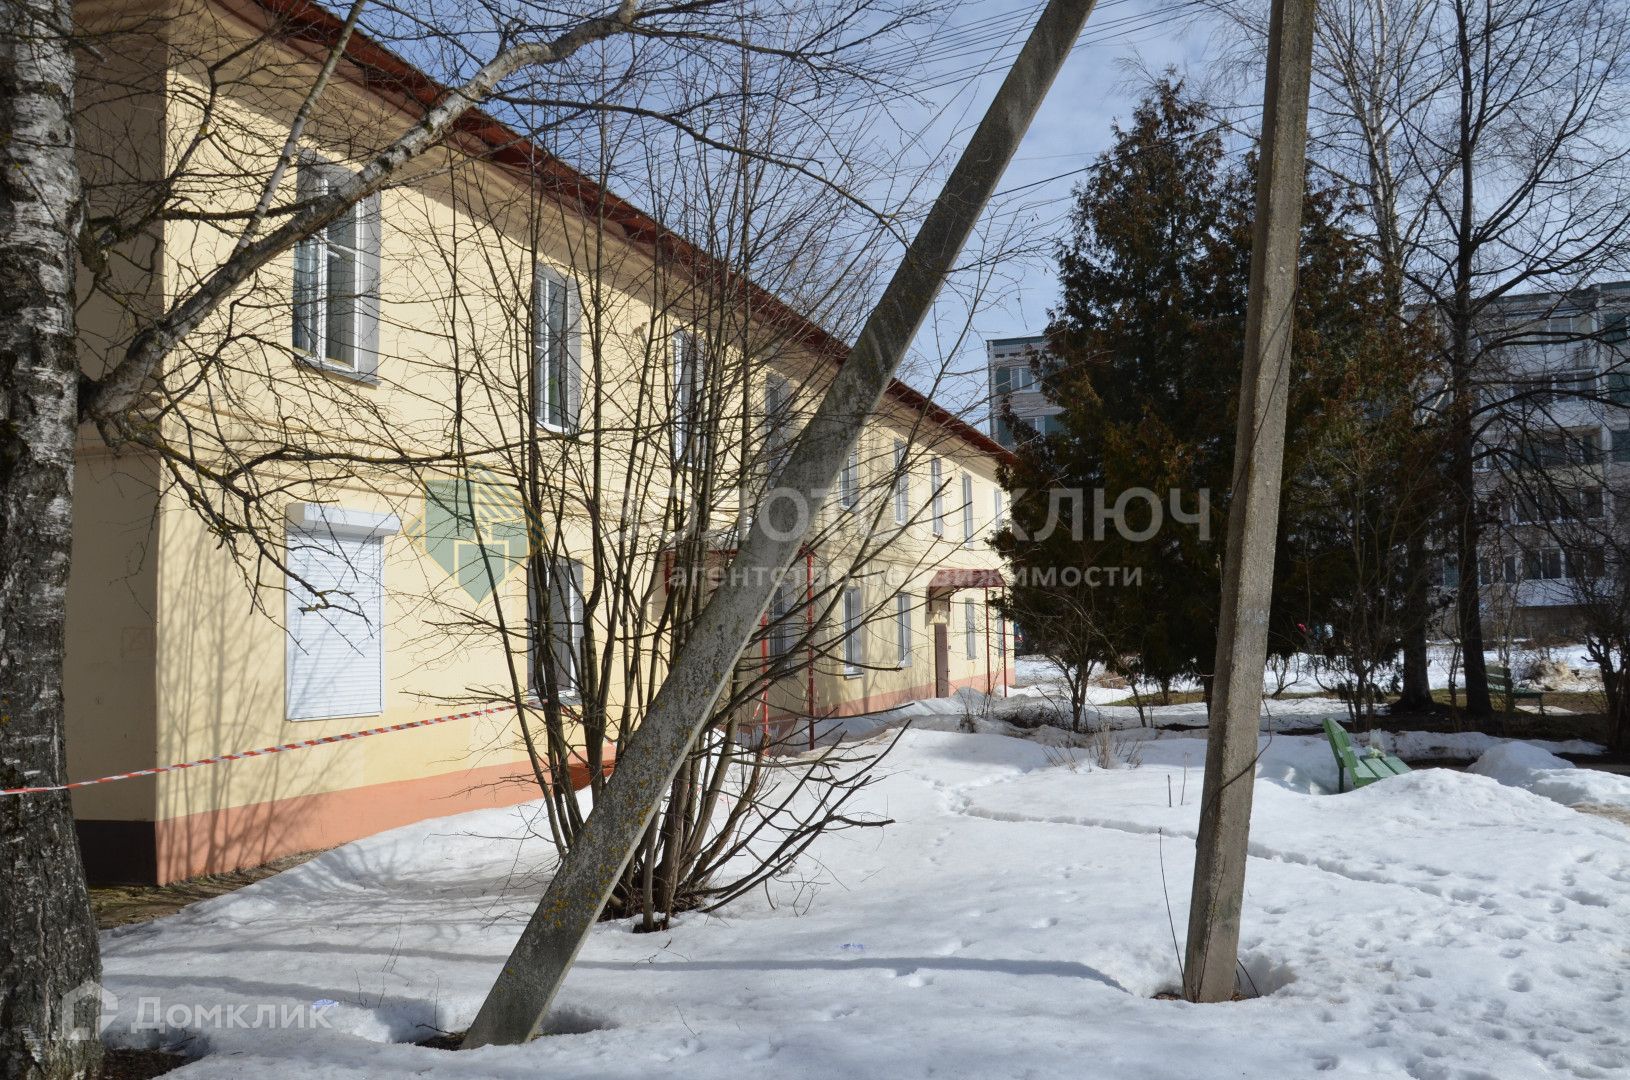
[(1013, 921), (969, 710), (1568, 668), (1527, 765)]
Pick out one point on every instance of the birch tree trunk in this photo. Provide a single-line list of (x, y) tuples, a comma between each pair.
[(47, 937)]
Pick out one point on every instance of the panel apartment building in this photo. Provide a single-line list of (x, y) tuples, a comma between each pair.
[(1014, 387), (1553, 462)]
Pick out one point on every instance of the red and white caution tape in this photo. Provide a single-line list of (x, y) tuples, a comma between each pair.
[(242, 754)]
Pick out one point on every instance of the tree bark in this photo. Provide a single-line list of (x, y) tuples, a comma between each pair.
[(1463, 482), (47, 937), (1417, 686)]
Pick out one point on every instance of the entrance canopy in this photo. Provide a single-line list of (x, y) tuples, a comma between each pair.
[(953, 579)]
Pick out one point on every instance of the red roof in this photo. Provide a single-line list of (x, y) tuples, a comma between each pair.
[(388, 74)]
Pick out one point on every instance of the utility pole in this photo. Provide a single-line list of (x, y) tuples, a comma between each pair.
[(519, 1000), (1253, 518)]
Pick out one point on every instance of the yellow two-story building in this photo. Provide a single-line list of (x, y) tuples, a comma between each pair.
[(479, 448)]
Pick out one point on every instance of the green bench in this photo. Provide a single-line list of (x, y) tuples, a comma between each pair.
[(1501, 684), (1367, 768)]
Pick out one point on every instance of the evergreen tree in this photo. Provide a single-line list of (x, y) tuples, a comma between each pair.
[(1144, 354)]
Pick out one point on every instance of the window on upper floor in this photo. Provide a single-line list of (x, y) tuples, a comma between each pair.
[(1011, 378), (1445, 572), (849, 480), (936, 505), (1495, 570), (336, 279), (1616, 328), (688, 375), (1618, 387), (902, 484), (777, 423), (1551, 449), (967, 510), (556, 361), (1580, 504), (1543, 565)]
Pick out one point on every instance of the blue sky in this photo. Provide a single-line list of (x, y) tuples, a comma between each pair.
[(1101, 82), (958, 62)]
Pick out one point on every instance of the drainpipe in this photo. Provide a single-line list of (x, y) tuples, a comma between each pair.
[(809, 623), (990, 684)]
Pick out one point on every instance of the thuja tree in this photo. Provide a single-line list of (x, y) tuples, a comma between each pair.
[(1367, 492), (1144, 351)]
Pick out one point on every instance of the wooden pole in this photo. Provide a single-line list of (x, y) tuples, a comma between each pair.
[(1253, 519), (519, 1000)]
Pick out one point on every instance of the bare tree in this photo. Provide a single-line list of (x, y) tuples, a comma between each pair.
[(1485, 141), (677, 419), (181, 342)]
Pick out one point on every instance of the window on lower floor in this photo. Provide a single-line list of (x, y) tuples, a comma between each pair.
[(1621, 445), (557, 619), (783, 621), (853, 646), (970, 629), (1446, 572), (1497, 569), (1542, 565), (335, 652), (902, 628)]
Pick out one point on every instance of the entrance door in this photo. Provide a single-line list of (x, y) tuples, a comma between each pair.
[(942, 661)]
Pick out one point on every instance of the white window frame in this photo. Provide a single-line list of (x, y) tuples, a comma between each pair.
[(854, 653), (318, 527), (967, 510), (902, 628), (546, 609), (902, 484), (849, 481), (777, 404), (687, 366), (936, 511), (312, 302), (970, 632), (554, 347), (783, 629)]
